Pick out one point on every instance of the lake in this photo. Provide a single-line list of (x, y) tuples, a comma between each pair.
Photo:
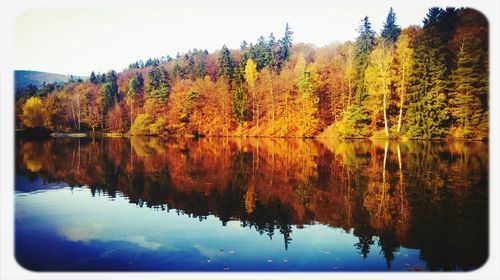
[(230, 204)]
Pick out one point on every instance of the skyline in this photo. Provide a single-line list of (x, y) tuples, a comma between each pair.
[(104, 38)]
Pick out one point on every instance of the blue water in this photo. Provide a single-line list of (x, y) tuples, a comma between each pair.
[(155, 205), (74, 231)]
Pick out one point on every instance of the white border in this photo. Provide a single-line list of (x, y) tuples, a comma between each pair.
[(9, 269)]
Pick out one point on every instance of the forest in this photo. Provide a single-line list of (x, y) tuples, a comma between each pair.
[(416, 82)]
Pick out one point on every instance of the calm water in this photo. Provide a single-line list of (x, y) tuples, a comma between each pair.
[(151, 204)]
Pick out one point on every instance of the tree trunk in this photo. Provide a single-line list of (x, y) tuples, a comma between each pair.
[(385, 110), (401, 99), (131, 112), (385, 116)]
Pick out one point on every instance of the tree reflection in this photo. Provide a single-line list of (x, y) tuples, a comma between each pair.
[(426, 195)]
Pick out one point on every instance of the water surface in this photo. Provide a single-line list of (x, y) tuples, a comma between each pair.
[(218, 204)]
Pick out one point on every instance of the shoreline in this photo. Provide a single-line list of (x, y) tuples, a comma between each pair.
[(46, 134)]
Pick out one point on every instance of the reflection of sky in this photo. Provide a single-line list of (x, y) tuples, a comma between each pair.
[(100, 231)]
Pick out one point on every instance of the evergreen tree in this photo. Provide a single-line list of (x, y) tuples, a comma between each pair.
[(286, 45), (364, 44), (239, 96), (427, 113), (470, 84), (308, 100), (93, 78), (200, 71), (225, 64), (391, 30), (107, 91), (112, 78), (159, 87), (261, 54), (355, 116)]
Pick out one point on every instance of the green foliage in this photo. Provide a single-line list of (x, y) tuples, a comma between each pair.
[(187, 108), (470, 87), (436, 86), (308, 100), (158, 127), (365, 42), (286, 45), (93, 78), (226, 64), (239, 96), (108, 93), (354, 122), (159, 87), (136, 84), (391, 30), (141, 125), (427, 110)]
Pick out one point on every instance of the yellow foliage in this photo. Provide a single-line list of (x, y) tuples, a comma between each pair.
[(33, 112)]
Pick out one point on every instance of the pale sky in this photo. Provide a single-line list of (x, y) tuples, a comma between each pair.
[(71, 40)]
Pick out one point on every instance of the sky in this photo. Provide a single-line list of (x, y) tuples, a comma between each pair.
[(78, 40)]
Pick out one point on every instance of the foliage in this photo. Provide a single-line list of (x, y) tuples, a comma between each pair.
[(432, 82), (33, 112), (391, 30)]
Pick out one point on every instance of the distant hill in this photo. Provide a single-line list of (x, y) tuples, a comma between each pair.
[(23, 78)]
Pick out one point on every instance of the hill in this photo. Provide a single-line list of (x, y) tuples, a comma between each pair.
[(23, 78)]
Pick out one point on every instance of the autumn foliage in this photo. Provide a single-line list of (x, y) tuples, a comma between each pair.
[(418, 82)]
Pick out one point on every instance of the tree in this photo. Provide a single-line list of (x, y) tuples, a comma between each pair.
[(404, 69), (350, 70), (135, 91), (239, 96), (55, 111), (187, 108), (115, 118), (427, 111), (141, 124), (112, 78), (378, 79), (93, 78), (470, 84), (33, 112), (391, 30), (158, 89), (355, 118), (108, 93), (226, 64), (308, 103), (250, 77), (364, 44), (285, 44), (91, 108)]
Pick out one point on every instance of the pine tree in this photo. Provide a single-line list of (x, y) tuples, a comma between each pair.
[(239, 96), (391, 30), (427, 113), (308, 101), (135, 88), (159, 87), (107, 90), (226, 64), (93, 78), (283, 50), (470, 84), (112, 78), (355, 117)]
